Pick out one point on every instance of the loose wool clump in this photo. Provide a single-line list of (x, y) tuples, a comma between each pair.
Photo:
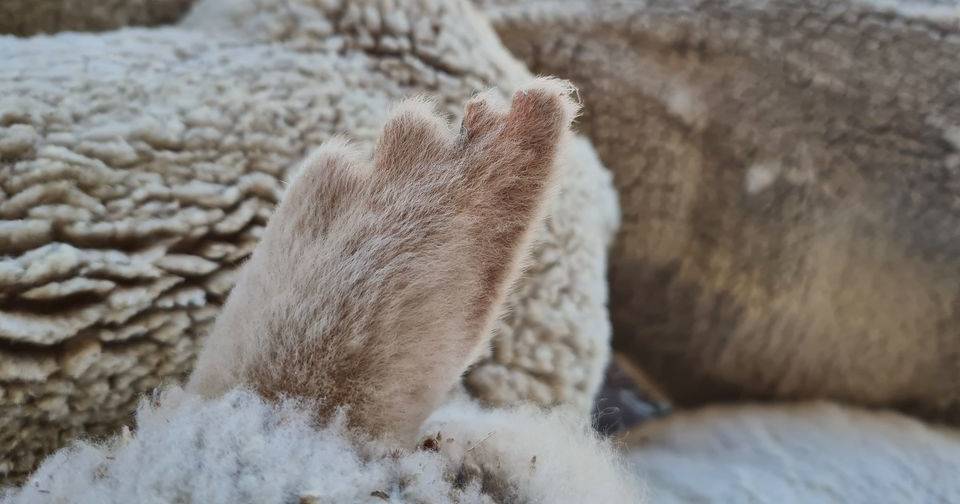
[(241, 449)]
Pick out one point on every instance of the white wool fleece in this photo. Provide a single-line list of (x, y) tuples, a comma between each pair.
[(796, 453), (239, 449)]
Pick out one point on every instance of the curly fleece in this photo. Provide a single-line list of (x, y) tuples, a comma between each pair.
[(138, 167)]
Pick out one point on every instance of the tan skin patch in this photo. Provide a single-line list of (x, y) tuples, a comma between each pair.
[(375, 283)]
